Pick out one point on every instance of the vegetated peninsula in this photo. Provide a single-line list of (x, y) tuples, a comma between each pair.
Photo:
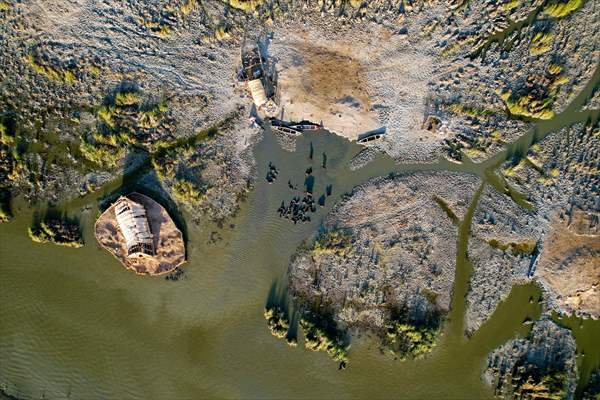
[(385, 259), (552, 236)]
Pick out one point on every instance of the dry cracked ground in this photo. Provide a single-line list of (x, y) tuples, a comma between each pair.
[(93, 89)]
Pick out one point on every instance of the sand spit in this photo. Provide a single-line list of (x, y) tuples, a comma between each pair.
[(168, 240)]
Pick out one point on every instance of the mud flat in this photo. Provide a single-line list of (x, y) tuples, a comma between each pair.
[(542, 365), (385, 258), (168, 240), (335, 73)]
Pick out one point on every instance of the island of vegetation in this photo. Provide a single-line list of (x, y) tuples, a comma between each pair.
[(384, 262), (58, 230)]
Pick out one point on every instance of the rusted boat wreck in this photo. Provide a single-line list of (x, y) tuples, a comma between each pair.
[(140, 233), (260, 78), (294, 128)]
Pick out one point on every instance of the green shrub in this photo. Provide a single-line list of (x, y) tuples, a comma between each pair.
[(187, 192), (528, 106), (51, 72), (411, 341), (245, 5), (277, 321), (102, 154), (541, 42), (560, 9), (123, 99), (526, 247), (318, 339), (335, 241), (57, 231)]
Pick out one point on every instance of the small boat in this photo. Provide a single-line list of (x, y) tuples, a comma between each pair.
[(370, 139), (306, 126), (286, 130)]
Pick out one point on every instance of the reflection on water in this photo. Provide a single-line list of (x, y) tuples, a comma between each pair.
[(76, 324)]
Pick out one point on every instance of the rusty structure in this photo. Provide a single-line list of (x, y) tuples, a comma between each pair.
[(133, 223), (260, 76)]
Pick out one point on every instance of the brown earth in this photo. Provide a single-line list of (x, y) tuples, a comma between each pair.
[(570, 265), (168, 240), (326, 84)]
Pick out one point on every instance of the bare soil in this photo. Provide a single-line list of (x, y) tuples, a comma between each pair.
[(569, 266)]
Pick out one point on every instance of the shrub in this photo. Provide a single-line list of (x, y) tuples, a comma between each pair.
[(245, 5), (541, 42), (126, 99), (102, 154), (187, 192), (335, 241), (277, 321), (58, 231), (560, 8), (411, 341), (318, 339)]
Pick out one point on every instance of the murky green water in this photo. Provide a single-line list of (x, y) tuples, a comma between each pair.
[(75, 324)]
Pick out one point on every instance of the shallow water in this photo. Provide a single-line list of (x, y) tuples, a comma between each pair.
[(75, 324)]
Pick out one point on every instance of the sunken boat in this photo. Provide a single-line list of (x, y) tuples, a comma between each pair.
[(140, 233)]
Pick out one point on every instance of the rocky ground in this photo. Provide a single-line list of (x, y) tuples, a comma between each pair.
[(385, 259), (542, 365)]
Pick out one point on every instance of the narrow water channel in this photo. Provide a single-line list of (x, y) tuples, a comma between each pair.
[(75, 324)]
